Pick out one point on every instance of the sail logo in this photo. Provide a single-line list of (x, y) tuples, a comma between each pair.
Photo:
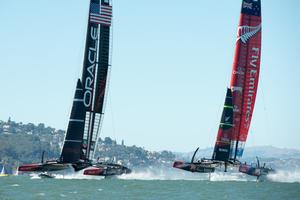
[(227, 119), (89, 80), (245, 33), (247, 5), (251, 88), (223, 150), (239, 71), (237, 88)]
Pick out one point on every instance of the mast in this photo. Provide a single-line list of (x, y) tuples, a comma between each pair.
[(95, 70), (241, 95), (245, 72)]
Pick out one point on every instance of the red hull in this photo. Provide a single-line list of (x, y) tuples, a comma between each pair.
[(106, 169), (94, 171), (29, 167)]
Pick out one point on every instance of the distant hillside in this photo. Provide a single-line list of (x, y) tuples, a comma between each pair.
[(271, 152), (24, 143), (250, 152), (278, 158)]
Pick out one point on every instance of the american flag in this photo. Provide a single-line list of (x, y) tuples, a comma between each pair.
[(101, 14)]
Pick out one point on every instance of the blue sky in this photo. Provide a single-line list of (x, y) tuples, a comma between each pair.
[(171, 66)]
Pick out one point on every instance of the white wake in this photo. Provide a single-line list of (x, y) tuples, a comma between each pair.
[(69, 175), (230, 176), (162, 174), (285, 176), (176, 174), (153, 173)]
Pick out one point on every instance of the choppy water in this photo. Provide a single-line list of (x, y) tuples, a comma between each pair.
[(153, 184)]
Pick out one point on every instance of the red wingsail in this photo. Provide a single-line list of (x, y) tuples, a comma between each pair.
[(244, 78)]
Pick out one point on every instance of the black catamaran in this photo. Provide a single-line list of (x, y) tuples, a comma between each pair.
[(240, 96), (256, 169), (88, 104)]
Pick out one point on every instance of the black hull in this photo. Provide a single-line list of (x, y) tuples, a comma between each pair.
[(98, 169), (106, 170), (44, 167), (255, 171), (199, 167)]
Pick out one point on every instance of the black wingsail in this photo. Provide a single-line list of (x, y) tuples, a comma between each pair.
[(89, 99), (95, 71), (223, 147), (87, 110), (72, 147)]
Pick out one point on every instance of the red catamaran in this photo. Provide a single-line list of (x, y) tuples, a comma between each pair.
[(240, 96), (88, 104)]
